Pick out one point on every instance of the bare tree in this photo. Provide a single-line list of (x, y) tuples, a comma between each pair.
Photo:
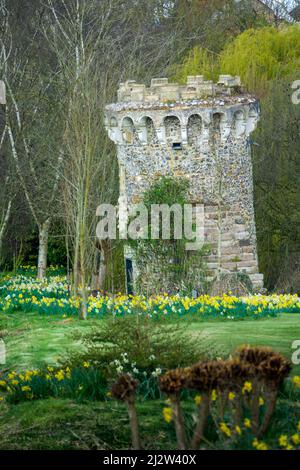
[(89, 171), (281, 8), (5, 195), (6, 199), (32, 130)]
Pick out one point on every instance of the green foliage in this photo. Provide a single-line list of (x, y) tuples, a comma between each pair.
[(277, 190), (142, 347), (167, 263), (198, 61), (57, 251), (80, 383), (64, 424), (167, 190), (260, 55), (31, 271)]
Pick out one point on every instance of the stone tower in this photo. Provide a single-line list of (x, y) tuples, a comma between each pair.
[(200, 131)]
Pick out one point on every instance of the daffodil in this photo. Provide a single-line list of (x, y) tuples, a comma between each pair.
[(259, 445), (296, 439), (261, 401), (296, 380), (247, 423), (198, 400), (60, 375), (167, 414), (247, 387), (225, 429), (283, 440), (238, 430)]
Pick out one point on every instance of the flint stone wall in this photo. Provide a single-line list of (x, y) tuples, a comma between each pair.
[(205, 139)]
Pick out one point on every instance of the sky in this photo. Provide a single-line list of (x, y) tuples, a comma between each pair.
[(291, 3)]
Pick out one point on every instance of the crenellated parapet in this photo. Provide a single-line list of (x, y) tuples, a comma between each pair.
[(161, 90), (139, 115)]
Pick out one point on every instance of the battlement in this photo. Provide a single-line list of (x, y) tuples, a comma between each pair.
[(170, 114), (161, 90)]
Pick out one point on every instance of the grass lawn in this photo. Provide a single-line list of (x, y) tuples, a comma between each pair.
[(63, 425), (33, 339), (57, 423)]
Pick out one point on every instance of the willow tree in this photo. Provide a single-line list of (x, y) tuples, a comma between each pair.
[(261, 55), (198, 61)]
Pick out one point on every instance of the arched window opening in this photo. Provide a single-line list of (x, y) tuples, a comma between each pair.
[(251, 121), (150, 129), (173, 132), (194, 128), (147, 130), (239, 123), (128, 130), (218, 124), (113, 122)]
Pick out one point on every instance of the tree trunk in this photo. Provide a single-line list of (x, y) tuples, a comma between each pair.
[(200, 426), (4, 225), (102, 270), (76, 269), (43, 248), (255, 407), (84, 280), (271, 403), (179, 423), (134, 425), (84, 302)]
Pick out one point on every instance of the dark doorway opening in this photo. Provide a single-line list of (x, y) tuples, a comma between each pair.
[(129, 276)]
